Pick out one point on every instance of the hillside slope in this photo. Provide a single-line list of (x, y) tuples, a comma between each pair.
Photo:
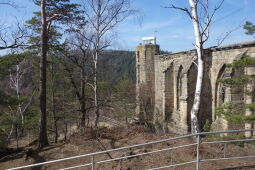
[(82, 143), (114, 65)]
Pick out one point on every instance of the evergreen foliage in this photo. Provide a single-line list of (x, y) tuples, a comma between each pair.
[(234, 111), (116, 71), (231, 112), (249, 27), (125, 97), (7, 64), (115, 65), (8, 61)]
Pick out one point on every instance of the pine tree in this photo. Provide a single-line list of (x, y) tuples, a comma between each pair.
[(235, 112), (249, 27), (52, 13)]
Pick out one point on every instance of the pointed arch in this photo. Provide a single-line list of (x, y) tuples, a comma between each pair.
[(237, 91), (192, 76), (220, 88), (179, 86), (169, 92)]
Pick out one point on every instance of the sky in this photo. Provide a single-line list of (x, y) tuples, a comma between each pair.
[(173, 29)]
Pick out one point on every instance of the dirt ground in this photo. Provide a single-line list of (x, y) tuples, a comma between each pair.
[(108, 138)]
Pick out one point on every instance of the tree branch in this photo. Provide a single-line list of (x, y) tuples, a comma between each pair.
[(179, 8)]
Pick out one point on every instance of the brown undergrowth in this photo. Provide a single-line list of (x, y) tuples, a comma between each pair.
[(108, 138)]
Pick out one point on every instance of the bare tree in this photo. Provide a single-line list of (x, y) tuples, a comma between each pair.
[(11, 38), (78, 64), (16, 82), (201, 15), (103, 16), (146, 104), (8, 2)]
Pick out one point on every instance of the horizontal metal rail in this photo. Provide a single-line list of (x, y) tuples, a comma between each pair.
[(107, 119), (174, 165), (140, 145), (132, 156), (228, 141), (228, 158), (78, 166), (103, 152), (203, 160)]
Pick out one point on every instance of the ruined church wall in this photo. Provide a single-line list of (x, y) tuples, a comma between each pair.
[(178, 65), (173, 77), (220, 58)]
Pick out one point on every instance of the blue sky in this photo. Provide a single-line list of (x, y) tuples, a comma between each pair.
[(173, 29)]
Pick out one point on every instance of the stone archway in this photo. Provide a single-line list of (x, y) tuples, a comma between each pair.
[(237, 93), (229, 93), (191, 84), (179, 86), (220, 91), (169, 92)]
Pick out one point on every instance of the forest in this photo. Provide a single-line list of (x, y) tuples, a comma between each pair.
[(58, 71), (64, 85)]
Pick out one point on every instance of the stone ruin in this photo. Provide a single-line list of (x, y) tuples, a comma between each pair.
[(165, 86)]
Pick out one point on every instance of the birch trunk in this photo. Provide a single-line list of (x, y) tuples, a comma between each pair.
[(82, 101), (103, 16), (18, 96), (98, 18), (95, 91), (200, 67)]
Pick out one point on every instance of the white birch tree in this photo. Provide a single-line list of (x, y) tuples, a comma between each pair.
[(17, 112), (102, 17), (201, 15)]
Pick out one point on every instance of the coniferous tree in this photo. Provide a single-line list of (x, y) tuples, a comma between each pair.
[(233, 111), (249, 27), (52, 12)]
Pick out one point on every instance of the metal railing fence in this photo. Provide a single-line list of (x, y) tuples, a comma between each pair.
[(197, 161)]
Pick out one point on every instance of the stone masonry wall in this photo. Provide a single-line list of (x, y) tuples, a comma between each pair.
[(173, 80), (145, 80)]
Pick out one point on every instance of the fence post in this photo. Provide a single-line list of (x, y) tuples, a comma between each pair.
[(225, 147), (198, 145), (93, 167)]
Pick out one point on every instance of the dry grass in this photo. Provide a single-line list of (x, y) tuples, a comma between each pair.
[(91, 141)]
